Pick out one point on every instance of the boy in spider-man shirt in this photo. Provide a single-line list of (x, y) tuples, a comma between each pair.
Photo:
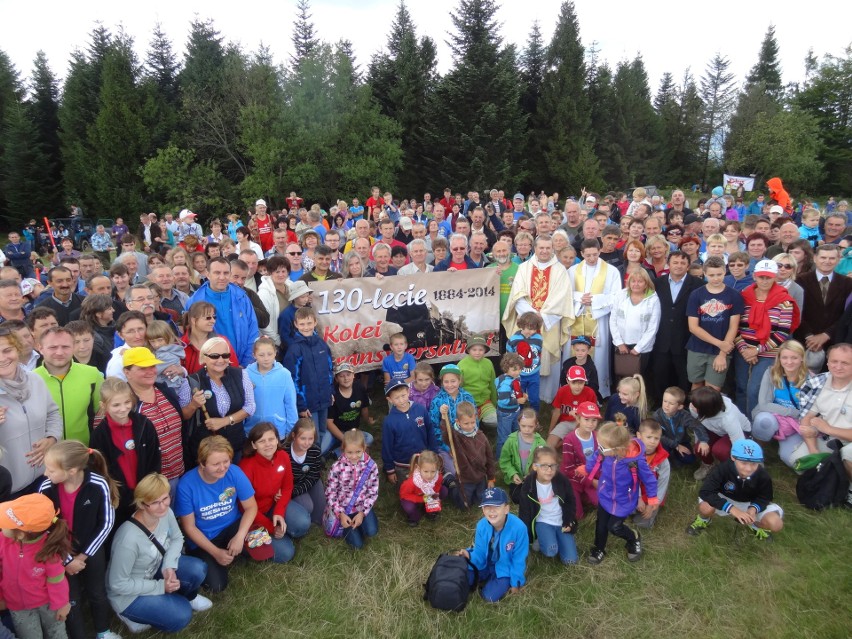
[(527, 343)]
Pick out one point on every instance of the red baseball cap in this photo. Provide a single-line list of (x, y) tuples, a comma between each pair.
[(576, 373), (589, 410)]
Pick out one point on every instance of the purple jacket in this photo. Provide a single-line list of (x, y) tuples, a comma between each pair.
[(618, 479)]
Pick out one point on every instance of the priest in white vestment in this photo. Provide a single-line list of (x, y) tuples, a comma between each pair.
[(595, 282), (542, 285)]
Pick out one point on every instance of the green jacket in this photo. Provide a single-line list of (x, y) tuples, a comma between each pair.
[(78, 396), (478, 378), (510, 457)]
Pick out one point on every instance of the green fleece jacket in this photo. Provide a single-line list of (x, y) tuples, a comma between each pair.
[(78, 396), (510, 457), (478, 377)]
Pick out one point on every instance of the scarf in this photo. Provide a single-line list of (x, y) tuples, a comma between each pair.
[(458, 429), (758, 318), (427, 488), (18, 386)]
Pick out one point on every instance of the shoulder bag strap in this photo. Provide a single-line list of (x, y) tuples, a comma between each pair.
[(360, 485), (149, 535)]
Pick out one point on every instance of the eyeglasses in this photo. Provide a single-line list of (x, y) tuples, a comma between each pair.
[(218, 355), (209, 317), (458, 248), (294, 254), (160, 502), (603, 450), (785, 266), (548, 466), (675, 233), (137, 300)]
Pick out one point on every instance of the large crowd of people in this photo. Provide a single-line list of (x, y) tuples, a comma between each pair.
[(172, 409)]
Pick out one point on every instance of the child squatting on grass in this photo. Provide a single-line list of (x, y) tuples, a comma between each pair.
[(740, 487)]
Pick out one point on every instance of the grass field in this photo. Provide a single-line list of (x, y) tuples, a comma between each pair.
[(717, 585)]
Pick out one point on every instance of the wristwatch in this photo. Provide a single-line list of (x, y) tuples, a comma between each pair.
[(231, 419)]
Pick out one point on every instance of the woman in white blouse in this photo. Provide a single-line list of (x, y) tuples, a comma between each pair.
[(635, 317)]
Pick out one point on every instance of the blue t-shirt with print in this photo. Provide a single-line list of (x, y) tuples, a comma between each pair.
[(529, 348), (402, 369), (714, 311), (214, 505)]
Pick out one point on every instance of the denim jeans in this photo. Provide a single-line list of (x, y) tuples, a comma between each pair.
[(320, 418), (530, 385), (330, 443), (356, 537), (748, 380), (553, 541), (171, 612), (494, 588), (313, 502), (507, 423)]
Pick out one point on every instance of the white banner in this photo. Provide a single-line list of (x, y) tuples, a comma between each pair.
[(734, 182)]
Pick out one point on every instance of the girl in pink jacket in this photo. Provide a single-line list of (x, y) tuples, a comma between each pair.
[(352, 489)]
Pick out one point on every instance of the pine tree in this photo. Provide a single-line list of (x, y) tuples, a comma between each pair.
[(24, 167), (43, 107), (401, 81), (717, 93), (685, 146), (119, 134), (638, 133), (305, 41), (562, 117), (11, 95), (532, 70), (78, 109), (475, 125), (767, 70), (604, 123), (667, 107), (761, 95), (160, 88)]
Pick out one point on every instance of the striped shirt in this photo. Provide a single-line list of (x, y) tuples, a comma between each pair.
[(167, 423), (781, 321)]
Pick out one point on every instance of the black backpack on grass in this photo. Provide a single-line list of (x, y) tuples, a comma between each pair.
[(447, 587), (826, 484)]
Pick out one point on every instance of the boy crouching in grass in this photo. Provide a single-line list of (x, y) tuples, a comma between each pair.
[(741, 488)]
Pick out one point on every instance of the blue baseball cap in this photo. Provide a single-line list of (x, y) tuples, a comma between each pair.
[(394, 384), (494, 497), (581, 339)]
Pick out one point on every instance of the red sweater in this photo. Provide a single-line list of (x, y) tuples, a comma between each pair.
[(268, 478), (411, 492)]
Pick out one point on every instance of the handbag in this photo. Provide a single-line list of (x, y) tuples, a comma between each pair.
[(331, 522), (625, 364)]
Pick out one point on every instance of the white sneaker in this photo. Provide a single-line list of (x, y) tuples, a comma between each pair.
[(132, 626), (109, 634), (200, 603)]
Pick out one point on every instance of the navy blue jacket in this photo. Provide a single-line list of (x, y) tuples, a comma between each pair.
[(309, 361), (404, 434)]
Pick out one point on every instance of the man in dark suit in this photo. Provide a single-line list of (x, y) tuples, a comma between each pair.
[(668, 362), (825, 301)]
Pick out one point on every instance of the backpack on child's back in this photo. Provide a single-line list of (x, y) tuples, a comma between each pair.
[(448, 587)]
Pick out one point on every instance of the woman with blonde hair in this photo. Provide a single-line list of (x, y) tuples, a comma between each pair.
[(635, 318), (657, 254)]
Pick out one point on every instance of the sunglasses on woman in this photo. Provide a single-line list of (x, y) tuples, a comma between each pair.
[(217, 355)]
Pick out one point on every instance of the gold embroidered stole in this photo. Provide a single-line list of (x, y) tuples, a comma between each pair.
[(539, 287), (585, 324)]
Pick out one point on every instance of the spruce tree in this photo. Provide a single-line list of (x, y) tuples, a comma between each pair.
[(638, 133), (44, 112), (24, 167), (475, 125), (401, 81), (305, 41), (562, 122), (159, 85), (604, 122), (717, 93), (767, 69), (532, 70)]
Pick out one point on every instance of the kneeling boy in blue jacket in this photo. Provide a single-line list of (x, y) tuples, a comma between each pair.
[(500, 548)]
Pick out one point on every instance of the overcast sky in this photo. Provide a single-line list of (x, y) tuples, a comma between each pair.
[(671, 36)]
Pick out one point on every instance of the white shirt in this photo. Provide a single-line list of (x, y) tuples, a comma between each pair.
[(551, 509)]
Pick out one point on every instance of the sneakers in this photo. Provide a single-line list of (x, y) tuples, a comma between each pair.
[(109, 634), (702, 471), (634, 550), (697, 527), (762, 535), (200, 603), (595, 556), (132, 626)]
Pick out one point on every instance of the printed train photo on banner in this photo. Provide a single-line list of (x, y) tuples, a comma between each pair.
[(438, 314)]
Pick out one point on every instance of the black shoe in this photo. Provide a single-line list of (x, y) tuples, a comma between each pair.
[(596, 556), (413, 524)]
